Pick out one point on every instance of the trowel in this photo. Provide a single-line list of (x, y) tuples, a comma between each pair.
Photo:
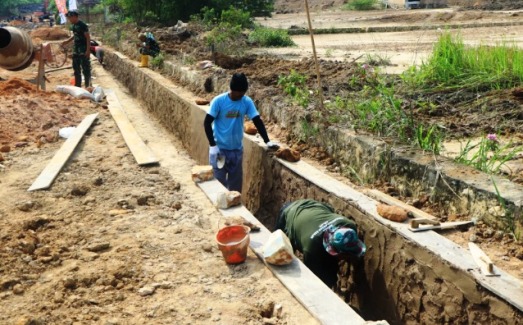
[(417, 225)]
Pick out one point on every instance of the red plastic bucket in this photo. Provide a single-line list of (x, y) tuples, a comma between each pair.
[(233, 242)]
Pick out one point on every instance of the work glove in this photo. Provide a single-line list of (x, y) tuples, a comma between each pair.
[(273, 146), (214, 152)]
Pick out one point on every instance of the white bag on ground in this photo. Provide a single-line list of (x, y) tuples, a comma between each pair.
[(98, 94), (278, 249), (74, 91), (66, 132)]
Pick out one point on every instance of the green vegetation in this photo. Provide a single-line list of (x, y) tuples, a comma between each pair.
[(456, 66), (169, 12), (10, 7), (270, 37), (363, 4), (157, 61), (490, 156), (295, 85), (510, 218), (227, 39)]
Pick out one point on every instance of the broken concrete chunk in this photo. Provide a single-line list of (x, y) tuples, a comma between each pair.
[(228, 199), (278, 249), (239, 220), (392, 213), (288, 154), (250, 128), (201, 101), (146, 290), (202, 174)]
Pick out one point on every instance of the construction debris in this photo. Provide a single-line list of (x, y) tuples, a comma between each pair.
[(278, 249), (228, 199), (288, 154), (392, 213), (202, 173)]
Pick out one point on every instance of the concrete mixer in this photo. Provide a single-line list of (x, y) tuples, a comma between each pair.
[(16, 49), (17, 52)]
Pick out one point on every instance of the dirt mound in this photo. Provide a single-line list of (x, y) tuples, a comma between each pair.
[(289, 6), (50, 33), (31, 116)]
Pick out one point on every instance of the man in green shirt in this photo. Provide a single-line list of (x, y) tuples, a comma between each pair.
[(321, 235), (81, 51)]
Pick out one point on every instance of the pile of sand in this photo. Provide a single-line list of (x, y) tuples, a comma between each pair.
[(50, 33)]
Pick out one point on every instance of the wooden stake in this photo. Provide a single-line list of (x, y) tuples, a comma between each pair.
[(320, 89)]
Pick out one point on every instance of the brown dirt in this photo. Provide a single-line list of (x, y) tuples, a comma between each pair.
[(50, 33), (112, 242)]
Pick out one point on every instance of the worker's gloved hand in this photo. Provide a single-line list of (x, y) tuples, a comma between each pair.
[(214, 152), (273, 146)]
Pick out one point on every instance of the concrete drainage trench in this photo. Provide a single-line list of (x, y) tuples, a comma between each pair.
[(405, 277)]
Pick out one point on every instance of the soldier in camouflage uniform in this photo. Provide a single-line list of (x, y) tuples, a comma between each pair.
[(81, 49)]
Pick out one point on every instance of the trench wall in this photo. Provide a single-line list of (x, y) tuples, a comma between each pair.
[(458, 189), (401, 280)]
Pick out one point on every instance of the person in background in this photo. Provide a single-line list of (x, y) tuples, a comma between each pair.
[(148, 46), (81, 51), (223, 126), (321, 235), (97, 50)]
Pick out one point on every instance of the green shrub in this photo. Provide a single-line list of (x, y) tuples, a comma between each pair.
[(227, 39), (157, 61), (362, 4), (295, 85), (236, 17), (270, 37)]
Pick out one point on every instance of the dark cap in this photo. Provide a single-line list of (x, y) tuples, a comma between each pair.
[(72, 14), (239, 82)]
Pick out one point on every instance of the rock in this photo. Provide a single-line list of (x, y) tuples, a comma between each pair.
[(278, 250), (144, 199), (58, 297), (473, 238), (392, 213), (270, 321), (177, 205), (70, 283), (266, 309), (499, 235), (207, 247), (288, 154), (250, 128), (28, 206), (228, 199), (239, 220), (201, 101), (98, 247), (18, 289), (146, 291), (98, 181), (5, 149), (489, 232), (79, 190), (202, 173)]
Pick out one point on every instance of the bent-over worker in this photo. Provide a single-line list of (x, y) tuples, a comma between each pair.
[(321, 235), (148, 46)]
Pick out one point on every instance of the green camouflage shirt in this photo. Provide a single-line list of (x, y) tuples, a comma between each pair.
[(80, 42)]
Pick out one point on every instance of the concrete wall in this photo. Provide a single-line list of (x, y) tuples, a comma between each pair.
[(399, 280)]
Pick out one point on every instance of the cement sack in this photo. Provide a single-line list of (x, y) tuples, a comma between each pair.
[(278, 249), (98, 94), (228, 199), (202, 173), (74, 91)]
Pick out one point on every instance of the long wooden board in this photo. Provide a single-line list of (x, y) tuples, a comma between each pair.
[(309, 290), (48, 175), (141, 152)]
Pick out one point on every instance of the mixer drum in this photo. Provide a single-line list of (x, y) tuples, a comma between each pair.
[(16, 49)]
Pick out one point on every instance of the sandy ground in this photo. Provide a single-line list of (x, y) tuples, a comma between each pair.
[(402, 49), (115, 243)]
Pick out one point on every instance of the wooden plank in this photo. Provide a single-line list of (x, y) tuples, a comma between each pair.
[(48, 175), (442, 226), (305, 286), (141, 152), (482, 260), (380, 196)]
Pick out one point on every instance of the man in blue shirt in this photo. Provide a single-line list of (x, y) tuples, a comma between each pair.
[(225, 137)]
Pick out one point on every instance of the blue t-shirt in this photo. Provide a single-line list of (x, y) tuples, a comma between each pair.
[(228, 120)]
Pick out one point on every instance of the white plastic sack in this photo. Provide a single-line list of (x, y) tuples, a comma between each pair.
[(98, 94), (74, 91), (66, 132), (278, 249)]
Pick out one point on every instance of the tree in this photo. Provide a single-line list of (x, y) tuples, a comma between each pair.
[(9, 7)]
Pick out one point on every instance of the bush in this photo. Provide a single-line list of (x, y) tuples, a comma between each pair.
[(362, 4), (236, 17), (227, 39), (270, 37)]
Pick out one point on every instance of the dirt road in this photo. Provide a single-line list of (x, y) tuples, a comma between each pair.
[(115, 243)]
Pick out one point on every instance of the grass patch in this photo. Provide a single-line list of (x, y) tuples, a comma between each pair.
[(363, 5), (270, 37), (453, 65)]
